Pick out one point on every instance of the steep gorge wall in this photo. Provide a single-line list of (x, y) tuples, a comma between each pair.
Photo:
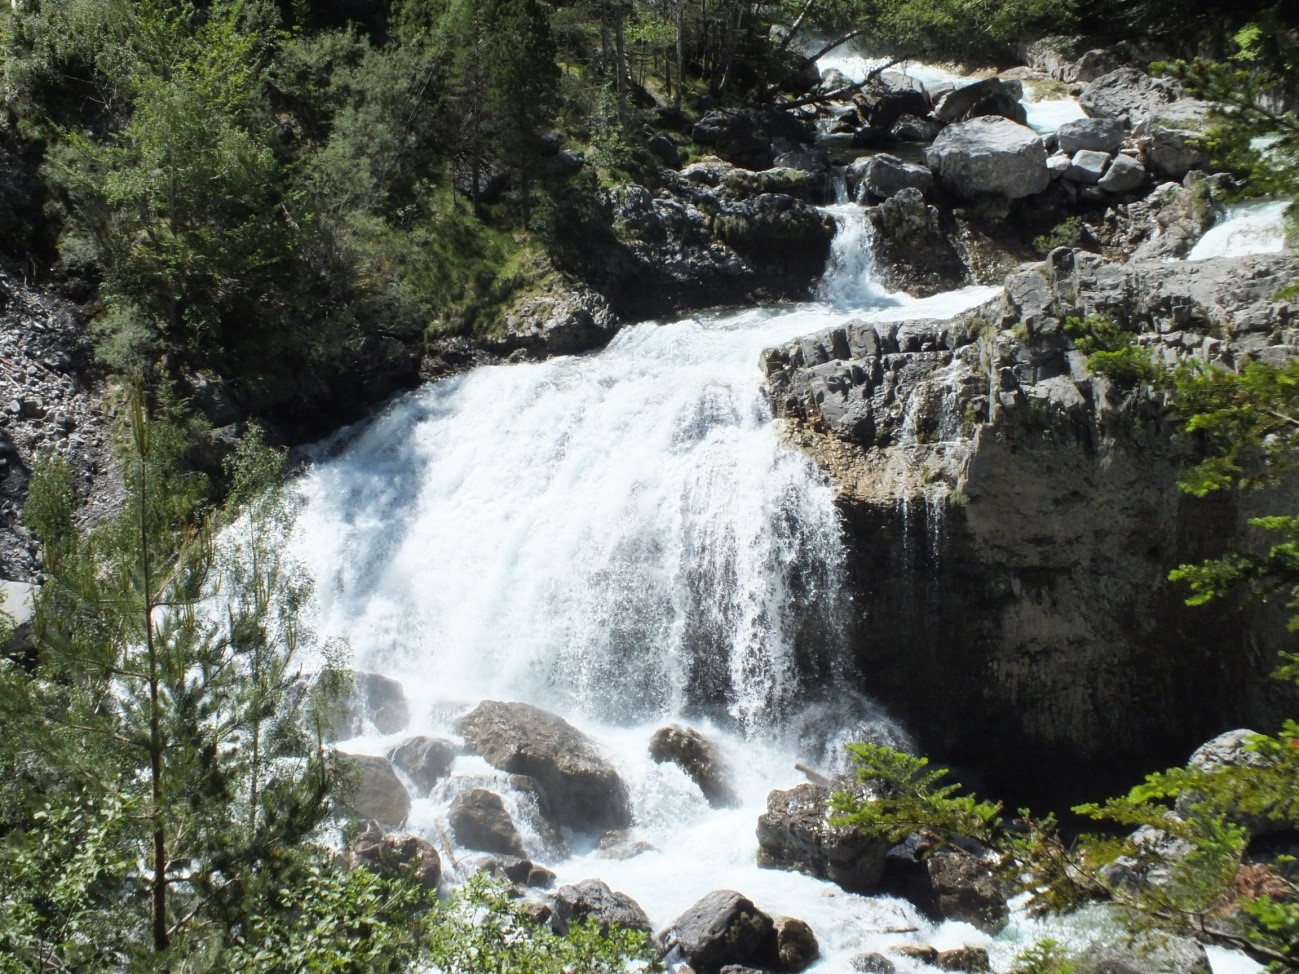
[(1013, 519)]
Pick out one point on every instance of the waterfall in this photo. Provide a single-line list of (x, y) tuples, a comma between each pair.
[(624, 538), (620, 535)]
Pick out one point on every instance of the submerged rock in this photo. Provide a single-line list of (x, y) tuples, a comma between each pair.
[(377, 701), (581, 787)]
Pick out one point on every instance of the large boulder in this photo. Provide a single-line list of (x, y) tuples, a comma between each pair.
[(881, 108), (1095, 134), (377, 794), (913, 253), (1172, 153), (1132, 96), (1231, 749), (698, 757), (592, 899), (722, 928), (425, 760), (795, 833), (479, 821), (582, 789), (882, 176), (989, 155), (991, 96)]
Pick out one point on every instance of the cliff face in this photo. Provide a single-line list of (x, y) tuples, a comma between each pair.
[(1013, 520)]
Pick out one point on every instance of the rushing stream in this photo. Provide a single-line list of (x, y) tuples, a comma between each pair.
[(623, 537)]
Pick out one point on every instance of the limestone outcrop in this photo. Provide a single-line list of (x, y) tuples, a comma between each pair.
[(1013, 519)]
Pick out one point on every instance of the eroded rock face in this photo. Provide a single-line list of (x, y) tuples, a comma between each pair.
[(1012, 519), (795, 833), (582, 789), (989, 155)]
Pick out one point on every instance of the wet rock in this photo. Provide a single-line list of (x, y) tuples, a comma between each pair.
[(376, 701), (989, 155), (794, 833), (1093, 134), (722, 928), (964, 959), (592, 899), (621, 844), (950, 884), (699, 758), (795, 947), (479, 821), (425, 760), (923, 954), (392, 855), (991, 96), (914, 253), (581, 787), (563, 320), (872, 963), (378, 794)]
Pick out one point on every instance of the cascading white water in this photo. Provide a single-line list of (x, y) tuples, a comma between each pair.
[(624, 538), (1245, 228)]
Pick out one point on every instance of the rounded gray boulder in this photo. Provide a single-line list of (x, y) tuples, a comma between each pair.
[(989, 155)]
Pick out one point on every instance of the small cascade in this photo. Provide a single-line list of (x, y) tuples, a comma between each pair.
[(850, 280), (1245, 228)]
